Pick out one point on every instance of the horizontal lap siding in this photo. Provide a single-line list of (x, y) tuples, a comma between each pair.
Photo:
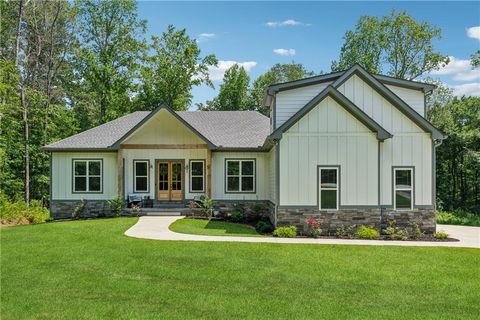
[(262, 176), (328, 135), (62, 172)]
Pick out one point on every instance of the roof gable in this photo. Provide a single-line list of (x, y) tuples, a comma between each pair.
[(330, 91), (391, 97)]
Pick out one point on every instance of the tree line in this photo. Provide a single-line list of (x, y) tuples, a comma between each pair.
[(68, 66)]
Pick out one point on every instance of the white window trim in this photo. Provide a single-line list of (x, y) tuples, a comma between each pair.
[(395, 189), (197, 176), (337, 189), (241, 176), (87, 175), (141, 176)]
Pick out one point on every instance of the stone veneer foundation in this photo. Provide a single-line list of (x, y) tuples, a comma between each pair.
[(377, 218), (63, 209)]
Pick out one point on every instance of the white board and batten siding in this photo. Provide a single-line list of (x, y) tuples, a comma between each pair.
[(328, 136), (288, 102), (62, 175), (414, 98), (410, 145)]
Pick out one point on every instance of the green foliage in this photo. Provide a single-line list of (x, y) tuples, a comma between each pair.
[(475, 59), (458, 217), (365, 232), (264, 227), (136, 210), (174, 68), (458, 157), (236, 216), (417, 233), (116, 206), (346, 232), (285, 232), (397, 41), (19, 213), (394, 233), (233, 93), (441, 235), (207, 206)]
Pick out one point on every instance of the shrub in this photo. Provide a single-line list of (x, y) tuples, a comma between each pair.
[(458, 217), (441, 235), (116, 206), (264, 227), (365, 232), (347, 232), (416, 231), (19, 213), (314, 227), (394, 233), (236, 216), (207, 205), (136, 210), (285, 232)]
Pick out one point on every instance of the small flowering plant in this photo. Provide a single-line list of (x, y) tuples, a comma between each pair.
[(314, 227)]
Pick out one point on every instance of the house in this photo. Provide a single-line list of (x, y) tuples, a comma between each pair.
[(346, 147)]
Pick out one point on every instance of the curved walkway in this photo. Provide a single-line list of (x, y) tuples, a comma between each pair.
[(156, 228)]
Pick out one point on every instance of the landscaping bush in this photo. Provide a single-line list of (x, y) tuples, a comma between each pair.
[(207, 206), (264, 227), (416, 231), (394, 233), (365, 232), (441, 235), (314, 227), (458, 217), (236, 216), (19, 213), (347, 232), (116, 206), (285, 232)]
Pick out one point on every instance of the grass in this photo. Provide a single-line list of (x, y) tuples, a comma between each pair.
[(213, 228), (90, 270), (458, 218)]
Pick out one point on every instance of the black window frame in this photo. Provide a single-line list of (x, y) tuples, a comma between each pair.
[(190, 176), (240, 160), (135, 175), (87, 175)]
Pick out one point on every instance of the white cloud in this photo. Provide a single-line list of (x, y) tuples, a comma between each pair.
[(460, 70), (285, 52), (202, 37), (285, 23), (468, 89), (216, 73), (474, 32)]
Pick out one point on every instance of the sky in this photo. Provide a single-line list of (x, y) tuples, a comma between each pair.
[(258, 35)]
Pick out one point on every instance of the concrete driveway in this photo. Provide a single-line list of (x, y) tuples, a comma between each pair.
[(156, 228)]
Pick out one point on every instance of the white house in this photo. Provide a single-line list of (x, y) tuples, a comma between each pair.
[(347, 147)]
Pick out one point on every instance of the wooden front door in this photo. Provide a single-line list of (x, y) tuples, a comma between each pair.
[(170, 180)]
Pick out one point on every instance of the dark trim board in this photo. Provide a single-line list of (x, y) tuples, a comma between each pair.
[(135, 177), (73, 176)]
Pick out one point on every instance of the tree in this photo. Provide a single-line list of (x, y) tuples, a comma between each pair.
[(278, 73), (175, 67), (396, 44), (233, 93), (108, 57), (475, 59)]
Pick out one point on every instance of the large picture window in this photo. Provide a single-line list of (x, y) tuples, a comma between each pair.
[(240, 175), (141, 177), (87, 175), (328, 188), (197, 176), (403, 188)]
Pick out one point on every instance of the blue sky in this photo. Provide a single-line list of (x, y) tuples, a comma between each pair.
[(260, 34)]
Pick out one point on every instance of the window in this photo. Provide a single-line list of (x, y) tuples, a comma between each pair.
[(328, 186), (141, 169), (197, 176), (240, 175), (403, 188), (87, 176)]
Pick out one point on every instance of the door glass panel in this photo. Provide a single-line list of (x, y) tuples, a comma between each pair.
[(163, 176), (176, 176)]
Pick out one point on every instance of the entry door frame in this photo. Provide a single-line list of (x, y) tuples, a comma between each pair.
[(182, 161)]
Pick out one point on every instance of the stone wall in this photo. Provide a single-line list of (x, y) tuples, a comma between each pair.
[(252, 208), (63, 209), (373, 217)]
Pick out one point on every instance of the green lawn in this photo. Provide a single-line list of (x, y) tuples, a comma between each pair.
[(90, 270), (213, 228)]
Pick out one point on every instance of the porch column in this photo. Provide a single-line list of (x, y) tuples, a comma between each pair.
[(120, 174), (209, 173)]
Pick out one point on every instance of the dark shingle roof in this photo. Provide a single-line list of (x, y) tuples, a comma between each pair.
[(225, 129)]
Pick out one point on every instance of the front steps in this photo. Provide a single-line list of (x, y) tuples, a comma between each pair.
[(162, 211)]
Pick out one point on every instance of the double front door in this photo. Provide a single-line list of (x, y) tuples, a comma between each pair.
[(170, 180)]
